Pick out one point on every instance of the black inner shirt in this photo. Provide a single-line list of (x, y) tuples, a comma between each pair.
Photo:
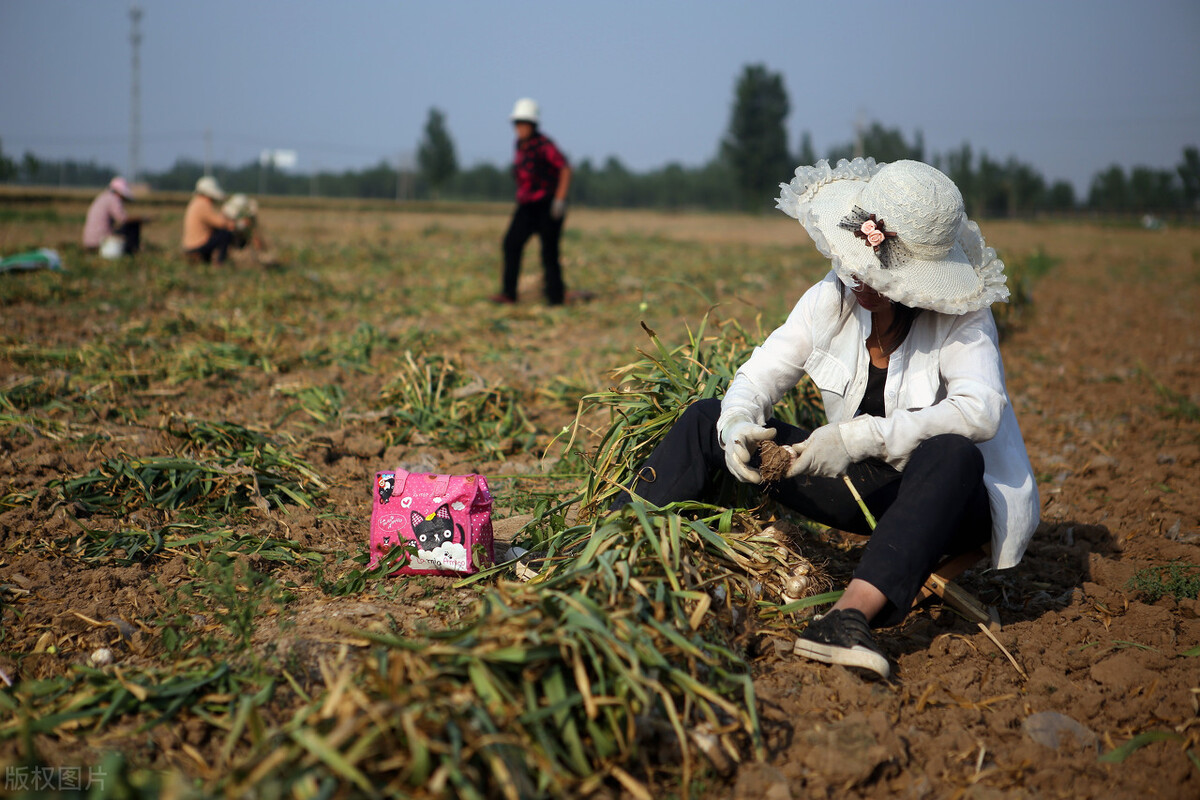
[(872, 402)]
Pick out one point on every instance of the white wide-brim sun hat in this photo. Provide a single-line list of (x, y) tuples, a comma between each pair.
[(901, 229)]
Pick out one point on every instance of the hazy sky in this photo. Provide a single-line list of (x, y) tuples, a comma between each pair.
[(1069, 87)]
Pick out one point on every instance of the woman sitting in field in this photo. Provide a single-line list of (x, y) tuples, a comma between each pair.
[(900, 339)]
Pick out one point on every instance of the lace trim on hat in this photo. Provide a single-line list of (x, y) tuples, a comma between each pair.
[(809, 179), (994, 285)]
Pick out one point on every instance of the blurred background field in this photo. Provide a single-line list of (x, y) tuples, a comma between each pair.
[(188, 452)]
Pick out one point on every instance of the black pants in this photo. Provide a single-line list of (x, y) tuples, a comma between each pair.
[(937, 506), (216, 249), (528, 219), (131, 232)]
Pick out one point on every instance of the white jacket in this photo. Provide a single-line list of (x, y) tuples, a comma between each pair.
[(945, 377)]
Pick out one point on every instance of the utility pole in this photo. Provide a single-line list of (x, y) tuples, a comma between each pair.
[(400, 177), (404, 172), (135, 105), (858, 134), (208, 151)]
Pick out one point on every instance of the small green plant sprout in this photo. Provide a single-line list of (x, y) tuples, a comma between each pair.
[(1178, 580), (321, 403), (1174, 405)]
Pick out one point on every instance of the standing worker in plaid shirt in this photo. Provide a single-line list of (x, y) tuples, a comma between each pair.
[(543, 178)]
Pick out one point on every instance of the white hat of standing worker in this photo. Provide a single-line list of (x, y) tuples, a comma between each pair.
[(525, 110), (901, 229), (209, 187)]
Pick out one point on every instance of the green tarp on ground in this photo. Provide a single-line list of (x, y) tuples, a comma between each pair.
[(42, 258)]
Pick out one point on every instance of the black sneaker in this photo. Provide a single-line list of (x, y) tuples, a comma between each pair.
[(842, 636)]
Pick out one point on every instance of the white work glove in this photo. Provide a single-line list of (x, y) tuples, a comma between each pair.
[(740, 440), (823, 454), (558, 207)]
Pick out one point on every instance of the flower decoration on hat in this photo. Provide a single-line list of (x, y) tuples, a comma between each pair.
[(874, 234)]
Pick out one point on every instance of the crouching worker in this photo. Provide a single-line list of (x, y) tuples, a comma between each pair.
[(207, 233), (900, 339), (108, 228)]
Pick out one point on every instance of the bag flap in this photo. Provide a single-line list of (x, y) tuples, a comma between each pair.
[(422, 483), (471, 487)]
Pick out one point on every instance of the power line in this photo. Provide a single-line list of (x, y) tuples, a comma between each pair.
[(257, 142)]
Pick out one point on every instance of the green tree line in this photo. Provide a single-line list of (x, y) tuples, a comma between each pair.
[(752, 158)]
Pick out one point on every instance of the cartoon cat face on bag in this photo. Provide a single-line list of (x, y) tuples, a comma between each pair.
[(435, 530)]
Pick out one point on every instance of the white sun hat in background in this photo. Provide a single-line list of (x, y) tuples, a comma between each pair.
[(525, 110), (209, 187)]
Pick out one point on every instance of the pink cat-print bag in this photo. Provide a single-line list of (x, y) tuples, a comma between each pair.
[(447, 517)]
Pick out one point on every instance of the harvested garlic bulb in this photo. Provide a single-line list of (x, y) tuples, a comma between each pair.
[(797, 585)]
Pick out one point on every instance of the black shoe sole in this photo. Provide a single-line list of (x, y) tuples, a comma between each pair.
[(857, 656)]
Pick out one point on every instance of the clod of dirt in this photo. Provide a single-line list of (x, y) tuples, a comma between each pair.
[(775, 461)]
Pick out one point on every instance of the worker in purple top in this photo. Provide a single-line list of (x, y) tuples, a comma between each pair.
[(543, 178), (107, 220)]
